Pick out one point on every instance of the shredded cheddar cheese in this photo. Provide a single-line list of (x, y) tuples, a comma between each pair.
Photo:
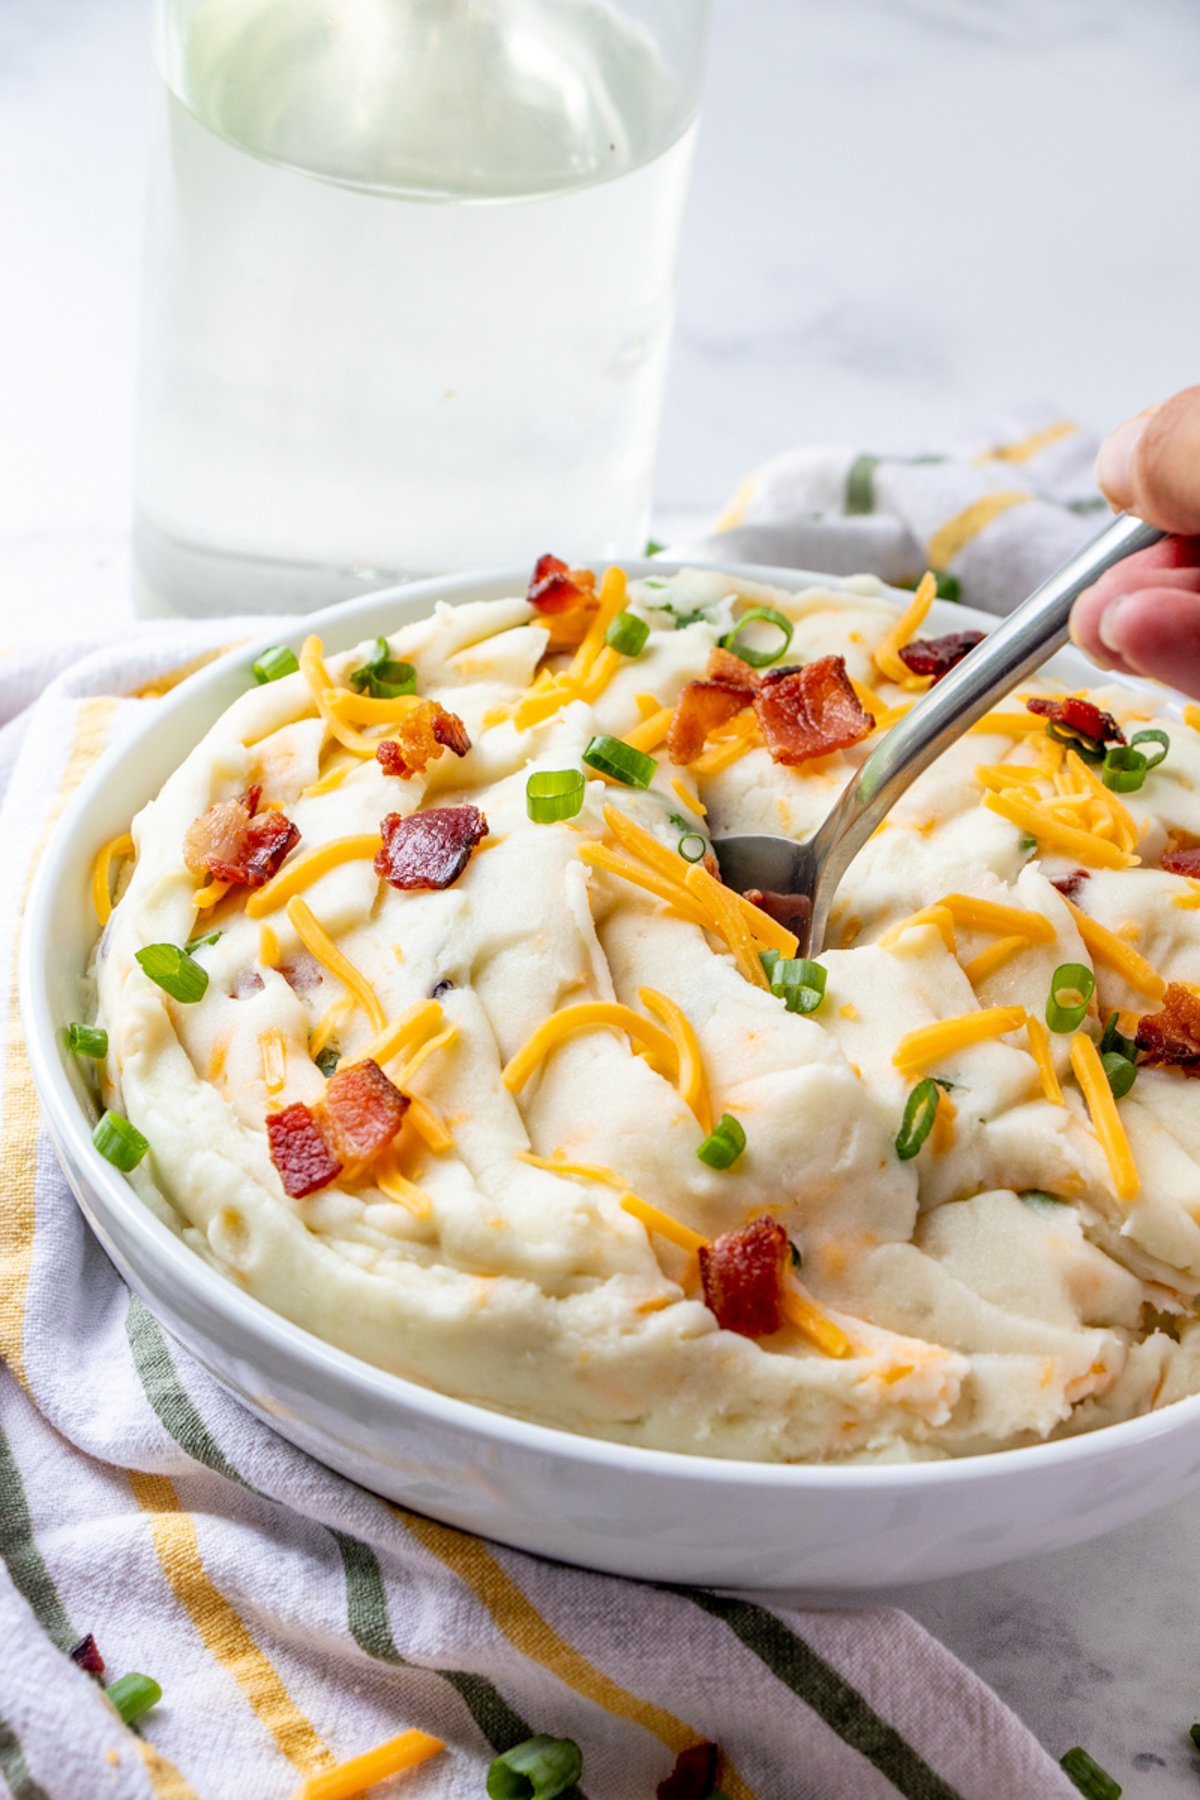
[(329, 1023), (1083, 846), (887, 650), (317, 941), (1106, 947), (414, 1024), (208, 896), (388, 1178), (273, 1049), (558, 1165), (726, 915), (428, 1125), (939, 916), (589, 1015), (363, 709), (303, 870), (348, 1779), (333, 778), (989, 915), (268, 947), (312, 667), (686, 798), (920, 1050), (651, 732), (597, 856), (101, 870), (1106, 1120), (693, 1088), (1191, 715), (659, 1222), (1007, 724), (441, 1041), (807, 1318), (993, 956), (1039, 1049)]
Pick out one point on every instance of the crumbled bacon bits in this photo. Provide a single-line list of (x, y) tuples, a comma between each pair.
[(1078, 715), (742, 1273), (1172, 1036), (702, 707), (233, 841), (1180, 857), (87, 1655), (554, 588), (810, 711), (1070, 885), (429, 849), (694, 1776), (419, 739), (360, 1114), (937, 656)]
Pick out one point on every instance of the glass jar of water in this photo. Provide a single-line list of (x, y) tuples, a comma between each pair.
[(408, 289)]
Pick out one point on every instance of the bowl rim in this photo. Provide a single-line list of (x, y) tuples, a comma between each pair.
[(226, 1304)]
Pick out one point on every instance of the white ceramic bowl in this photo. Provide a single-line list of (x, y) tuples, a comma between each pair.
[(646, 1513)]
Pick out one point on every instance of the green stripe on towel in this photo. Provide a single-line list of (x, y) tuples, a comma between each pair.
[(30, 1576), (860, 484), (15, 1769)]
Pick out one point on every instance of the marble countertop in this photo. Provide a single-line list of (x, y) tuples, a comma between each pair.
[(908, 217)]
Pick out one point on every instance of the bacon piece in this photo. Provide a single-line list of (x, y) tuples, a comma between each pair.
[(792, 911), (1069, 885), (1078, 715), (724, 666), (420, 738), (301, 971), (246, 981), (300, 1152), (88, 1656), (235, 842), (554, 588), (810, 711), (429, 849), (1172, 1036), (361, 1112), (702, 707), (742, 1274), (937, 656), (1181, 860), (694, 1776)]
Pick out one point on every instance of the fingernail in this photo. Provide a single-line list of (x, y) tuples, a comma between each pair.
[(1114, 464), (1108, 629)]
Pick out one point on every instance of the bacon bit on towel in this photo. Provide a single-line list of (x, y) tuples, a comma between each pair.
[(937, 656), (694, 1776), (810, 711), (420, 738), (88, 1656), (1172, 1036), (554, 588), (299, 1151), (1078, 715), (429, 849), (742, 1274), (235, 842), (361, 1112)]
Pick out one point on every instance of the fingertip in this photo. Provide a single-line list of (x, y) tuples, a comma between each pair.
[(1154, 632), (1114, 463)]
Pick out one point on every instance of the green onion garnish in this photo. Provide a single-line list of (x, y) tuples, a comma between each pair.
[(1027, 841), (758, 659), (1194, 1734), (949, 587), (1151, 736), (799, 983), (796, 1255), (724, 1143), (769, 959), (1124, 769), (1114, 1040), (381, 678), (613, 756), (539, 1769), (327, 1060), (87, 1040), (627, 634), (653, 547), (119, 1141), (274, 663), (1071, 987), (553, 794), (1041, 1197), (920, 1110), (194, 944), (692, 847), (1093, 1782), (1120, 1071), (1084, 746), (132, 1695), (174, 971)]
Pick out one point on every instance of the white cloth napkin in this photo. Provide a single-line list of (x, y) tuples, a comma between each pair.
[(295, 1620)]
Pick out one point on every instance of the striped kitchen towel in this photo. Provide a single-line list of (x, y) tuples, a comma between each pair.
[(294, 1620), (996, 515)]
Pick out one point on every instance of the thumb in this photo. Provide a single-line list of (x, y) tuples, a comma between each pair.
[(1151, 465)]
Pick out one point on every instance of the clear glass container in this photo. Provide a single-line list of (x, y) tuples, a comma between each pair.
[(408, 288)]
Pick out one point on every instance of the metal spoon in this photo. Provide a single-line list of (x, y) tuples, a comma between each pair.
[(810, 872)]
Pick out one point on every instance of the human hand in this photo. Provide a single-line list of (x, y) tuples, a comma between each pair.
[(1143, 616)]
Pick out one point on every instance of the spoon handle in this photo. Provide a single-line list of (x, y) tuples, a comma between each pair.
[(1018, 646)]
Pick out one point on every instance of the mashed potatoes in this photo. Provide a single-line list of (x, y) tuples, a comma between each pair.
[(529, 1243)]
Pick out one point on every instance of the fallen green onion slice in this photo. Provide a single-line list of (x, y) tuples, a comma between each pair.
[(1124, 769), (553, 794), (758, 659), (1093, 1782), (1120, 1071), (327, 1060), (133, 1694), (920, 1111), (724, 1143), (274, 663), (539, 1769), (799, 983), (613, 756), (1088, 748), (87, 1040), (627, 634), (175, 972), (121, 1143), (198, 943), (1064, 1014), (1115, 1040), (1152, 736), (381, 678), (692, 847)]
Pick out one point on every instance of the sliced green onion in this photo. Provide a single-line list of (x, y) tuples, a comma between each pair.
[(1124, 769), (1194, 1734), (949, 587), (539, 1769), (920, 1111), (653, 547), (1115, 1041), (132, 1695), (381, 678), (613, 756), (769, 959), (796, 1255), (724, 1143), (198, 943), (87, 1040), (1152, 736), (1084, 746), (758, 659), (119, 1141), (692, 847), (1120, 1071), (1093, 1782), (175, 972), (1027, 841), (1064, 1012), (554, 794), (1041, 1197), (274, 663), (327, 1060), (627, 634), (799, 983)]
